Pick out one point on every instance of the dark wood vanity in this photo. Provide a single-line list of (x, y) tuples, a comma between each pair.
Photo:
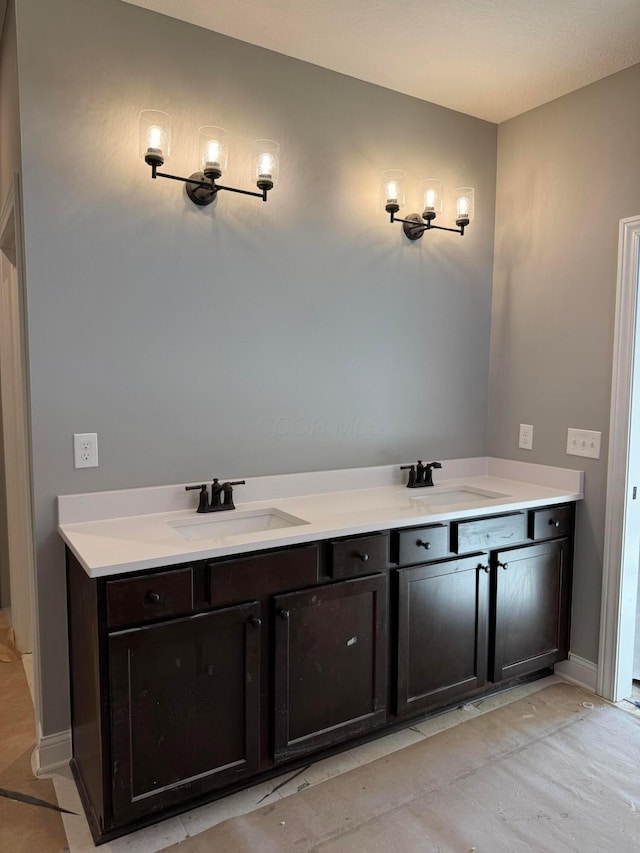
[(192, 681)]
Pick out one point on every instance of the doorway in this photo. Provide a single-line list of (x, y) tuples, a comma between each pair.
[(622, 518), (16, 547)]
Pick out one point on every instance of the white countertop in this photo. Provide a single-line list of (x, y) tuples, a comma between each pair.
[(141, 537)]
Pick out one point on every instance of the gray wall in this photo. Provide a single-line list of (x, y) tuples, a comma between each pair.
[(9, 164), (248, 339), (567, 173)]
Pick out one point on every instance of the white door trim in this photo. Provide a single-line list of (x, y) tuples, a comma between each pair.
[(15, 396), (620, 564)]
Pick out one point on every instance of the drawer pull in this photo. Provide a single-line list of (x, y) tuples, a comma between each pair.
[(425, 545), (555, 523), (255, 622), (486, 569), (504, 566), (283, 614), (363, 557), (152, 598)]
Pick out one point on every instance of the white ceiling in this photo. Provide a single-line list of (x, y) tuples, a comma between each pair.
[(489, 58)]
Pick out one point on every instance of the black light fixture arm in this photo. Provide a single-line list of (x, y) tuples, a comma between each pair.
[(414, 226), (198, 181)]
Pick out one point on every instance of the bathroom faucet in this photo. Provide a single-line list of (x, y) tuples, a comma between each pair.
[(221, 495), (420, 475)]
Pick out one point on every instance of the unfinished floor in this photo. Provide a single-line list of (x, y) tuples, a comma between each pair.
[(409, 792), (24, 827)]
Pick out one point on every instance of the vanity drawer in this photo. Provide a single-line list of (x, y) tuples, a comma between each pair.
[(421, 544), (358, 555), (261, 575), (550, 523), (153, 596), (480, 534)]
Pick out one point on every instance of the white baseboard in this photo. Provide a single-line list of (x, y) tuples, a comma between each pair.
[(579, 671), (52, 752)]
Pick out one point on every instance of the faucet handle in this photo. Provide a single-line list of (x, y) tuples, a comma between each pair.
[(428, 478), (412, 475), (227, 488), (202, 501)]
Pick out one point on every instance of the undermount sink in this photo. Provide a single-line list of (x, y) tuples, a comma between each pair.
[(455, 496), (235, 523)]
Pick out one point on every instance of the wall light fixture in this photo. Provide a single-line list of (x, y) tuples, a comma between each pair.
[(202, 187), (393, 191)]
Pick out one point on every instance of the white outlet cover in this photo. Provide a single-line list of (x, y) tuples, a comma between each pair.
[(584, 442), (526, 437), (85, 449)]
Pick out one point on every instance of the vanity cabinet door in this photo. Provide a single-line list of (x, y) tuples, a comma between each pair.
[(330, 664), (531, 596), (184, 704), (443, 623)]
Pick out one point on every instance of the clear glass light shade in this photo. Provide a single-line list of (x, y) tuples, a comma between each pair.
[(213, 147), (155, 135), (393, 187), (465, 203), (266, 161), (431, 191)]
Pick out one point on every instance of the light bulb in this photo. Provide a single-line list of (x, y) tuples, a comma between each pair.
[(431, 190), (265, 166), (213, 153), (465, 205), (155, 138), (212, 144), (392, 190), (266, 163)]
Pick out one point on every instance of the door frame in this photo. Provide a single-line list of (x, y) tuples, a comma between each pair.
[(622, 538), (14, 398)]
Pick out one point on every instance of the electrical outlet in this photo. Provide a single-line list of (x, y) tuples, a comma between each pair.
[(85, 450), (584, 442), (526, 437)]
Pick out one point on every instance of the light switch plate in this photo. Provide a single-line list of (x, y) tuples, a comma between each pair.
[(584, 442), (526, 437)]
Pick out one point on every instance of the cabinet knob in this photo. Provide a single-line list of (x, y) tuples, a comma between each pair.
[(363, 557), (425, 545), (255, 622), (283, 614), (152, 598), (555, 523), (504, 566), (486, 569)]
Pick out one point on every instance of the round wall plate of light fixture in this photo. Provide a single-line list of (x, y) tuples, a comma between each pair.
[(416, 230), (198, 193)]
